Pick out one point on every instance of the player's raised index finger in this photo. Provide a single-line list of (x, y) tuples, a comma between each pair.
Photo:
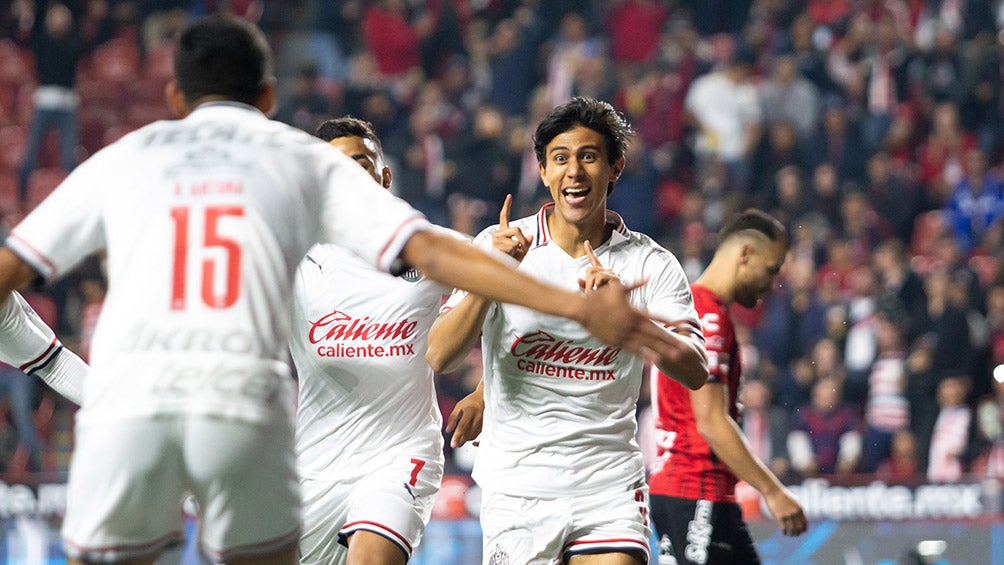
[(504, 214), (593, 259)]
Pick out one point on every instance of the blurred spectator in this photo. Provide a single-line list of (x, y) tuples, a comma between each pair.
[(487, 175), (941, 70), (860, 344), (838, 268), (990, 429), (952, 351), (977, 203), (980, 103), (788, 97), (901, 465), (573, 51), (824, 437), (512, 47), (306, 106), (887, 411), (634, 27), (635, 191), (860, 224), (940, 156), (809, 57), (893, 197), (390, 37), (58, 45), (777, 178), (951, 435), (724, 109), (794, 385), (902, 288), (886, 82), (824, 196), (830, 13), (765, 426), (719, 16), (839, 141), (19, 390), (426, 169), (441, 28), (794, 317)]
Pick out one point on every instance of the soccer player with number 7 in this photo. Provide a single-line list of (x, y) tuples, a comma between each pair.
[(205, 220)]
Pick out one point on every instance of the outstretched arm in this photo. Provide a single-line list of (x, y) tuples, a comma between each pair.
[(605, 313), (456, 331), (709, 405), (27, 343), (690, 368)]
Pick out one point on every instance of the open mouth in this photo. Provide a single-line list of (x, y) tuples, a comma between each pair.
[(575, 195)]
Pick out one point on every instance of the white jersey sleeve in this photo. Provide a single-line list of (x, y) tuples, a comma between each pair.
[(30, 345), (482, 241), (667, 293), (204, 221)]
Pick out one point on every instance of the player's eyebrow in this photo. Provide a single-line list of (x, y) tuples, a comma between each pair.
[(580, 148)]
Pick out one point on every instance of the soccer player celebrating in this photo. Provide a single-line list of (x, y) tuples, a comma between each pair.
[(701, 449), (368, 440), (205, 220), (561, 473)]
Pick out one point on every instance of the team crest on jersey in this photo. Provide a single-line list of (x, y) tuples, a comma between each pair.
[(411, 275), (499, 557)]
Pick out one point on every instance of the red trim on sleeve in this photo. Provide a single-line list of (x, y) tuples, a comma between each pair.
[(39, 256), (394, 237), (48, 351), (358, 525)]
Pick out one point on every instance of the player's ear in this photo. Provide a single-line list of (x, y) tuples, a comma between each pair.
[(745, 252), (618, 168), (175, 99), (266, 101), (386, 177)]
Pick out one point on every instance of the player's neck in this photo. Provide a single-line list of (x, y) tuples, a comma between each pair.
[(719, 281), (571, 237)]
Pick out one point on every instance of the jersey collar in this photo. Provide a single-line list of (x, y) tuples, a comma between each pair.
[(620, 232), (228, 104)]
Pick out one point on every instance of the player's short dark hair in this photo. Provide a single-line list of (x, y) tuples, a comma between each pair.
[(348, 126), (222, 56), (596, 115), (758, 221)]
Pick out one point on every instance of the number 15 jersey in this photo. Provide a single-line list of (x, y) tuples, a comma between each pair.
[(204, 221)]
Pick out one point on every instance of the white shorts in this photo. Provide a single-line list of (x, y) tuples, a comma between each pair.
[(393, 498), (129, 477), (538, 531)]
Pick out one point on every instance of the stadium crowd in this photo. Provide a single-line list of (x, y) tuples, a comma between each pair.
[(874, 129)]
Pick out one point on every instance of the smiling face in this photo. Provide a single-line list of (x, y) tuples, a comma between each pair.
[(364, 152), (578, 174)]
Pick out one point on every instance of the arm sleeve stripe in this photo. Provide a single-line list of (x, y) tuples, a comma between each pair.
[(43, 359)]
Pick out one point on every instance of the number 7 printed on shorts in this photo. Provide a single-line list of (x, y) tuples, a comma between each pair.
[(419, 464)]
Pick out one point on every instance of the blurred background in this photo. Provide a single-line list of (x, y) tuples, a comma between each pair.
[(874, 373)]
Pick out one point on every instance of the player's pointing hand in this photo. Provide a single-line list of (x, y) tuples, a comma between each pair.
[(596, 274), (510, 241)]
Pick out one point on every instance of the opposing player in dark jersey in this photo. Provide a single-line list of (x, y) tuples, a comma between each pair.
[(702, 453)]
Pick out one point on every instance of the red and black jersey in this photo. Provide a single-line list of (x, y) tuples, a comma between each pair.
[(685, 466)]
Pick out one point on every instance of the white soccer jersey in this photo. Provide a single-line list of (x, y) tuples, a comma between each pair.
[(204, 220), (358, 340), (559, 404)]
